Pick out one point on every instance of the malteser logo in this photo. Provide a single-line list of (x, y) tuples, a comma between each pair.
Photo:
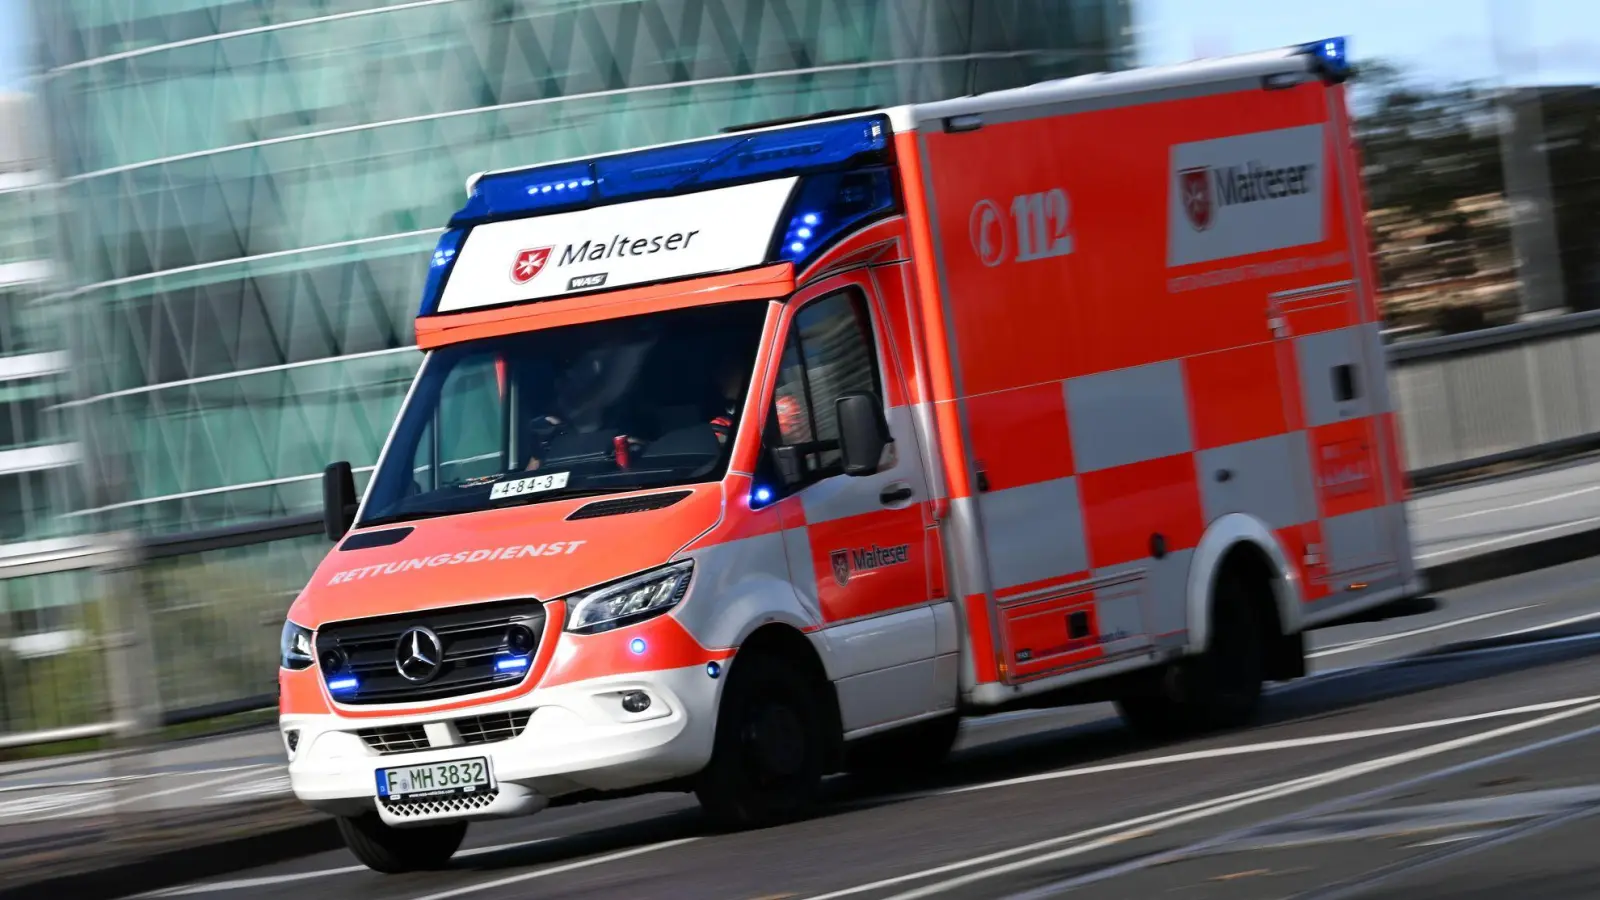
[(618, 247), (529, 263), (1245, 194), (1196, 187), (847, 563), (1205, 188)]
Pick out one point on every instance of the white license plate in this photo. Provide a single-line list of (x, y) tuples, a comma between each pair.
[(530, 485), (441, 779)]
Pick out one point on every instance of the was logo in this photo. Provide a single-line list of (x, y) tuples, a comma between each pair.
[(1195, 188), (529, 263)]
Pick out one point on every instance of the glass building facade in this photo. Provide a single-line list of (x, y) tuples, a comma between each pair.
[(230, 243), (250, 189), (46, 628), (34, 447)]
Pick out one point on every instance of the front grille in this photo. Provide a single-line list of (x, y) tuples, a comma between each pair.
[(443, 805), (490, 728), (395, 738), (493, 727), (472, 640)]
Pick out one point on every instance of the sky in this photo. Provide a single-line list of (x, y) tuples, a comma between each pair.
[(1543, 41), (11, 43)]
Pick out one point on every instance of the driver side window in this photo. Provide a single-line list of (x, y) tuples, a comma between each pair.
[(829, 352)]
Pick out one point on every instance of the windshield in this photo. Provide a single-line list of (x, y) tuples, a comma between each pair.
[(616, 405)]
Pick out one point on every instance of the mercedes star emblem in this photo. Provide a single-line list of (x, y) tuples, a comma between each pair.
[(418, 654)]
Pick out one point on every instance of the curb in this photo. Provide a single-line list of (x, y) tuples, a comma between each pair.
[(1509, 561), (180, 865)]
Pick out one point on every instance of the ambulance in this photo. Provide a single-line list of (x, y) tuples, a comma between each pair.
[(735, 463)]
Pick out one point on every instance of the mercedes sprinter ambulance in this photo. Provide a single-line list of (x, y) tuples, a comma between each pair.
[(737, 462)]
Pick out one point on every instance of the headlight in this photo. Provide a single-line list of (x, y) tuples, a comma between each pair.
[(630, 600), (294, 647)]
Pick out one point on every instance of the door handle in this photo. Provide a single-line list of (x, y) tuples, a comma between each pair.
[(899, 492)]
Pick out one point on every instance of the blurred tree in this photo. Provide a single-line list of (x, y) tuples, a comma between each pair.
[(1424, 147), (1430, 151)]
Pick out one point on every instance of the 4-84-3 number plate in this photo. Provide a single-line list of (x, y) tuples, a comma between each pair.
[(441, 779)]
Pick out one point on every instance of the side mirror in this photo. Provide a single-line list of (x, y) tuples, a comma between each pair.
[(338, 500), (863, 433)]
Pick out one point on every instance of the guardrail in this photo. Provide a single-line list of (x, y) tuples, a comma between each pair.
[(1499, 395), (200, 614)]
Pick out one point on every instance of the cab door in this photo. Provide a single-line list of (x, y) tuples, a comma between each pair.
[(857, 545)]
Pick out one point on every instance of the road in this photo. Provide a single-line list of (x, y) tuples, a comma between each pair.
[(1461, 521), (1476, 762)]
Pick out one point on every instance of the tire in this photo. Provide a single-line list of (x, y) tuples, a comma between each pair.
[(771, 747), (908, 752), (1219, 689), (1229, 676), (384, 848)]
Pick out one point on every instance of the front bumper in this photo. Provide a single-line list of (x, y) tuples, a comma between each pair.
[(578, 738)]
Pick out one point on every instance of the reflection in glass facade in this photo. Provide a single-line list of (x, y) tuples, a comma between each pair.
[(49, 676), (249, 190)]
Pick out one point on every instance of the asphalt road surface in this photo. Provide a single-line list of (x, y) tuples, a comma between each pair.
[(1405, 766), (1455, 522)]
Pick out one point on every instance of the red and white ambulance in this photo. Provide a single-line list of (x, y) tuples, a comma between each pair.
[(740, 461)]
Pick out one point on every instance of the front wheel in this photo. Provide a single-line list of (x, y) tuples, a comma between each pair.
[(384, 848), (771, 747)]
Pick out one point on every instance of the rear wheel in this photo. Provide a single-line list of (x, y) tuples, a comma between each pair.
[(906, 752), (771, 746), (1219, 689), (384, 848)]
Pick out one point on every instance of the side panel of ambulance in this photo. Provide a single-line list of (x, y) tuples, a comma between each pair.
[(1170, 391)]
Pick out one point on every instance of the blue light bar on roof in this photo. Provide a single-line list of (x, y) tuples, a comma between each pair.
[(698, 165), (444, 259), (1330, 55)]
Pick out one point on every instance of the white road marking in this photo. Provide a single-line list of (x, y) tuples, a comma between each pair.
[(137, 776), (136, 798), (269, 880), (272, 784), (1549, 625), (30, 806), (1508, 539), (1268, 746), (554, 870), (1364, 643), (1093, 839), (1523, 505)]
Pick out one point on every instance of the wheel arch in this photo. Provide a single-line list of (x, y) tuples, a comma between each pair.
[(1231, 534)]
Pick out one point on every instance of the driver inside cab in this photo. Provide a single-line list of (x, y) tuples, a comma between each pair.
[(584, 423)]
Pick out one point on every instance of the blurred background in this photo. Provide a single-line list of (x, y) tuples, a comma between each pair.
[(215, 217)]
